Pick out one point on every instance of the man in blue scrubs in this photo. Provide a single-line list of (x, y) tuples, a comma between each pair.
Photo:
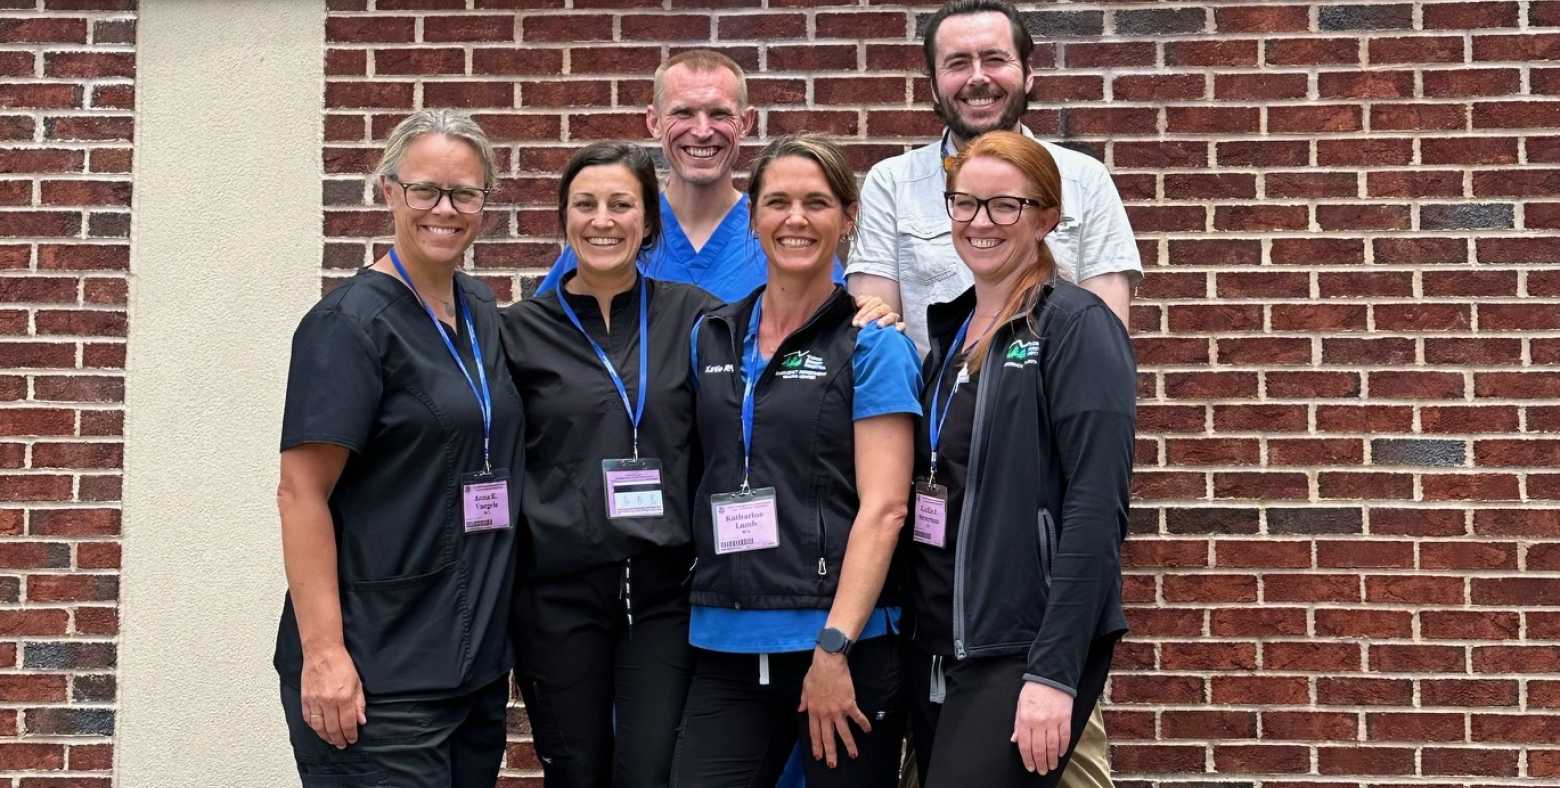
[(700, 116)]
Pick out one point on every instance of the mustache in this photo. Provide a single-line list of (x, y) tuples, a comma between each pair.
[(983, 92)]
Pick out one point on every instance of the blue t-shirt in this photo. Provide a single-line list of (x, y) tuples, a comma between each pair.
[(887, 379), (730, 265)]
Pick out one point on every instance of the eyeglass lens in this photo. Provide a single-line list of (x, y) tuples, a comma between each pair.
[(1001, 210), (424, 196)]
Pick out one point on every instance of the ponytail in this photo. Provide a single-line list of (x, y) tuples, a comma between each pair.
[(1023, 300)]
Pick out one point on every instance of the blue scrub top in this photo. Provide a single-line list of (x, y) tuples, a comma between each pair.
[(729, 266), (887, 379)]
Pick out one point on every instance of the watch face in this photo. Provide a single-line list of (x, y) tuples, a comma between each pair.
[(832, 640)]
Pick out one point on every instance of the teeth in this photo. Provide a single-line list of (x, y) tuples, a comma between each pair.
[(982, 101), (441, 230), (603, 241), (701, 152), (796, 243), (984, 243)]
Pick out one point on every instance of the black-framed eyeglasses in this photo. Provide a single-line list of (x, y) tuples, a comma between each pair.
[(424, 196), (1000, 209)]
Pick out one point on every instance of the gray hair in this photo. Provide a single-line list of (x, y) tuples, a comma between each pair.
[(448, 122)]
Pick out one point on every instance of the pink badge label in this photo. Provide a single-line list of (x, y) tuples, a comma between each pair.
[(746, 521), (634, 493), (487, 505), (931, 520)]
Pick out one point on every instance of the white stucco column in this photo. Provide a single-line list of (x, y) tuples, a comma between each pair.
[(226, 247)]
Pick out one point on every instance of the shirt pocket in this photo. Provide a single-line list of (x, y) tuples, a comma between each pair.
[(1063, 241), (926, 249)]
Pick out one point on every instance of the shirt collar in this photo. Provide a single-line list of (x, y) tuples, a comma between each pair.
[(947, 140)]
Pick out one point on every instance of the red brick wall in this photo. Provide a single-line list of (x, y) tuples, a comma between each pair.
[(66, 101), (1346, 565)]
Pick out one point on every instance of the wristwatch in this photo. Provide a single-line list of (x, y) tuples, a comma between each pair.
[(834, 641)]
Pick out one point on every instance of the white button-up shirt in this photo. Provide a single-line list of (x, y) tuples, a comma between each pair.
[(903, 232)]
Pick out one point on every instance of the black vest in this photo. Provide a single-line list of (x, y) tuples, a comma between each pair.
[(803, 446)]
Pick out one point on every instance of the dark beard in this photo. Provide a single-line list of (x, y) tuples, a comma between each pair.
[(1017, 105)]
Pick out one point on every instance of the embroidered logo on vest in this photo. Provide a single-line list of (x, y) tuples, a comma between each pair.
[(801, 365)]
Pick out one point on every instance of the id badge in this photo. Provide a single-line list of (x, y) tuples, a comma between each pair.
[(746, 521), (633, 488), (486, 499), (931, 514)]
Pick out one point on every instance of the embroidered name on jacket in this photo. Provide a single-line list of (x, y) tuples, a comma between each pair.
[(801, 365), (1022, 354), (712, 369)]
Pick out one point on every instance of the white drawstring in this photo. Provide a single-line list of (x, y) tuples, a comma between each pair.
[(939, 682)]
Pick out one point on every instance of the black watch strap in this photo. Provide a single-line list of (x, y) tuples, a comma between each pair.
[(834, 641)]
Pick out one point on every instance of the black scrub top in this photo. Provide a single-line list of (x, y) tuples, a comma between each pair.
[(931, 568), (424, 604), (575, 419)]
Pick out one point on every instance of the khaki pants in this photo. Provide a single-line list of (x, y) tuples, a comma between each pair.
[(1090, 764)]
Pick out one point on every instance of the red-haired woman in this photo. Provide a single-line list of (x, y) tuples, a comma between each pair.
[(1020, 501)]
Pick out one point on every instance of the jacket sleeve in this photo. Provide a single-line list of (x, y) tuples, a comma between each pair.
[(1090, 395)]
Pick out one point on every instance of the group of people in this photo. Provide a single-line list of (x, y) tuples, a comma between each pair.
[(705, 498)]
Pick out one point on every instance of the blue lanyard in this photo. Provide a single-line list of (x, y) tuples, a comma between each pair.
[(935, 420), (751, 370), (635, 413), (484, 395)]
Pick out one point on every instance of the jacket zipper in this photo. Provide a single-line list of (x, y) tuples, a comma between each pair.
[(823, 546), (971, 479), (1047, 545), (627, 591)]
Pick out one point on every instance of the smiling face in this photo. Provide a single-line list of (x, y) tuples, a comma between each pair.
[(994, 252), (605, 222), (441, 234), (699, 122), (798, 219), (978, 82)]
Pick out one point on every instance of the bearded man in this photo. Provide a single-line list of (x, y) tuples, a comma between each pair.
[(977, 57)]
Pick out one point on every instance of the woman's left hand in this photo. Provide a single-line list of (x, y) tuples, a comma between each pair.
[(1042, 726), (829, 698), (872, 308)]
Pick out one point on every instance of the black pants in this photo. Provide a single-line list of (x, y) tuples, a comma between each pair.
[(445, 743), (966, 739), (604, 695), (738, 733)]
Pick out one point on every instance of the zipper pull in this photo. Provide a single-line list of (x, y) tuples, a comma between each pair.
[(823, 569)]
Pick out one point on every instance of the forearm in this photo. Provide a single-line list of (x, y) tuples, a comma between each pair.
[(872, 285), (873, 537), (309, 554), (1115, 289), (884, 449)]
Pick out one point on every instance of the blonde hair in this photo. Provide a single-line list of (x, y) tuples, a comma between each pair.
[(702, 60), (1039, 169), (456, 125)]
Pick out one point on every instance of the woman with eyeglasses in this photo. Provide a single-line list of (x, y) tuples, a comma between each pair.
[(1020, 500), (399, 493)]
